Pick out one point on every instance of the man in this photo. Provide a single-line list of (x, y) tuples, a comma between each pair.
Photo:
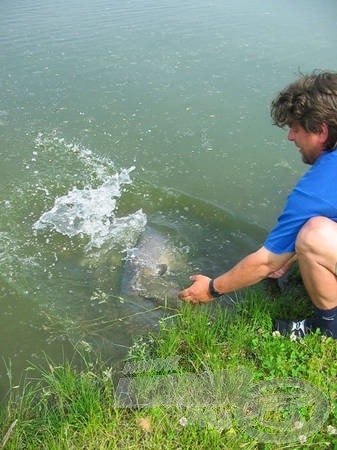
[(306, 231)]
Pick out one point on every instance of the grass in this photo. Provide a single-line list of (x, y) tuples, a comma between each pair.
[(211, 378)]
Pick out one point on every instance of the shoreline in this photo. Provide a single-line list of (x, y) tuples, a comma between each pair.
[(203, 381)]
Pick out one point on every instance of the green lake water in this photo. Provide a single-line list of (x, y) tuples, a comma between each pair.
[(117, 118)]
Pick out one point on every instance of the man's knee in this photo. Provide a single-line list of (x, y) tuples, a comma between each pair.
[(315, 234)]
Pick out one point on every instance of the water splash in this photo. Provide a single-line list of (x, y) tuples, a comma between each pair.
[(92, 212), (69, 218)]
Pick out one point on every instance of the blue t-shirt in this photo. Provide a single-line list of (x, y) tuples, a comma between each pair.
[(314, 195)]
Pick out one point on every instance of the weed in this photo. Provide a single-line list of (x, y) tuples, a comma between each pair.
[(212, 377)]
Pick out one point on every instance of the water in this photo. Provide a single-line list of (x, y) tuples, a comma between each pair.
[(117, 118)]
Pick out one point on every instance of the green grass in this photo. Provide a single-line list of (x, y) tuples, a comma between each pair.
[(213, 379)]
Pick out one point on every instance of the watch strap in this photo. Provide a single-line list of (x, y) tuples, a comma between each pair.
[(212, 290)]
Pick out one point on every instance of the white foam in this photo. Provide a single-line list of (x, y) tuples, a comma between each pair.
[(92, 212)]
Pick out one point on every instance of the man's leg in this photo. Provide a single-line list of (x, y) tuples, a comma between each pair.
[(316, 249)]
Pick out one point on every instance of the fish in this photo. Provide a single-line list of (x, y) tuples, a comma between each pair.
[(154, 267)]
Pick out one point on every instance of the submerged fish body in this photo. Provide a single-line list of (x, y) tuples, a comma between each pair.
[(153, 268)]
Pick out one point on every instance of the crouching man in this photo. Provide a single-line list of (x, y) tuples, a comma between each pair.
[(306, 230)]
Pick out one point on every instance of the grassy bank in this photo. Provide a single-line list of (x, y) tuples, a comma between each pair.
[(210, 378)]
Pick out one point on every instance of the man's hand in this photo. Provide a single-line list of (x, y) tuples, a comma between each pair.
[(198, 292)]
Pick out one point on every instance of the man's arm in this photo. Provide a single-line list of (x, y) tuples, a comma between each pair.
[(284, 269), (250, 270)]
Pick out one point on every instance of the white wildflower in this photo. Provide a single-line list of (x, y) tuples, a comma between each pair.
[(276, 333), (183, 421), (302, 438), (331, 430), (298, 425)]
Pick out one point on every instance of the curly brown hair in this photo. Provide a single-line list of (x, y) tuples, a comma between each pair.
[(310, 101)]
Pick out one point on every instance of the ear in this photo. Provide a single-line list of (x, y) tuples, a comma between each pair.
[(324, 132)]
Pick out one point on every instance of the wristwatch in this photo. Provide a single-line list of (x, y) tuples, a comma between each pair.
[(212, 290)]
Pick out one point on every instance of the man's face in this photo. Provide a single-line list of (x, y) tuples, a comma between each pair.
[(311, 145)]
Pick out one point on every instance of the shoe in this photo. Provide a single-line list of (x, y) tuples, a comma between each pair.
[(289, 327)]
